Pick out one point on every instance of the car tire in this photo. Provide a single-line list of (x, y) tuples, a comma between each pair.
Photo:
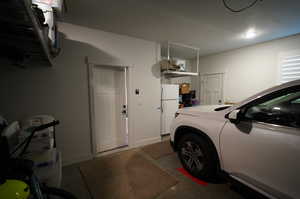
[(199, 157)]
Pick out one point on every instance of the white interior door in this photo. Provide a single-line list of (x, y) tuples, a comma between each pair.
[(211, 89), (110, 104)]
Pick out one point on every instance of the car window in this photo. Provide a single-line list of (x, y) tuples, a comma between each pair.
[(283, 110), (296, 101)]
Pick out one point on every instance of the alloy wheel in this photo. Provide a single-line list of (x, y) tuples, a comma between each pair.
[(192, 156)]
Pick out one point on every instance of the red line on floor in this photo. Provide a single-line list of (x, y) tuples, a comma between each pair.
[(184, 172)]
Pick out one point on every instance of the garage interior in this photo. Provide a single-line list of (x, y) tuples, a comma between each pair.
[(114, 73)]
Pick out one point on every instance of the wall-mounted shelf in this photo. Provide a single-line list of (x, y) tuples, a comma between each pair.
[(23, 37), (174, 74)]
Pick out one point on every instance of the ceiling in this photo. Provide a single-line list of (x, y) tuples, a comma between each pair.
[(205, 24)]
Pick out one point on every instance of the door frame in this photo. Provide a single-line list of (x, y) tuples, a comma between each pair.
[(91, 95), (201, 84)]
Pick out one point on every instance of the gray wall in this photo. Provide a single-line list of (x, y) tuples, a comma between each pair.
[(62, 91)]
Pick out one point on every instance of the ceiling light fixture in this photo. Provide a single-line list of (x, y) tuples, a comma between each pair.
[(251, 33)]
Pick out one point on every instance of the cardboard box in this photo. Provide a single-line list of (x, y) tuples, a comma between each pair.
[(184, 88)]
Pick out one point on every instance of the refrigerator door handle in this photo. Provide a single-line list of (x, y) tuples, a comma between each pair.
[(161, 102)]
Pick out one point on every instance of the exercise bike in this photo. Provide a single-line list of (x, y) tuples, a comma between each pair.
[(17, 179)]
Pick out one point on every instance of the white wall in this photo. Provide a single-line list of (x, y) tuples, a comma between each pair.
[(62, 90), (250, 69)]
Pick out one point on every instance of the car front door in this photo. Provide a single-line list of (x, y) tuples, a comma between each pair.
[(263, 149)]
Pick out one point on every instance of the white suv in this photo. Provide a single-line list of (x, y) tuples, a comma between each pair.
[(256, 142)]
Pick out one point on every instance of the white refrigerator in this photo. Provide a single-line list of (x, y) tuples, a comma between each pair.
[(169, 106)]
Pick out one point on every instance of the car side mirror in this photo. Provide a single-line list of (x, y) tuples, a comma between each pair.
[(234, 116)]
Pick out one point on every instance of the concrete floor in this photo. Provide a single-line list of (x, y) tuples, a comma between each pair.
[(72, 181)]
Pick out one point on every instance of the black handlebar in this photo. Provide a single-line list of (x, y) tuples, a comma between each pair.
[(44, 126), (28, 140)]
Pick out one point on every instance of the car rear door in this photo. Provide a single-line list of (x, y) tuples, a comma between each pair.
[(264, 148)]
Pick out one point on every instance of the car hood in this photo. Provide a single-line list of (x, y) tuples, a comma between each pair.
[(201, 109)]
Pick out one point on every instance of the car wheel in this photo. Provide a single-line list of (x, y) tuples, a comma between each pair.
[(198, 157)]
